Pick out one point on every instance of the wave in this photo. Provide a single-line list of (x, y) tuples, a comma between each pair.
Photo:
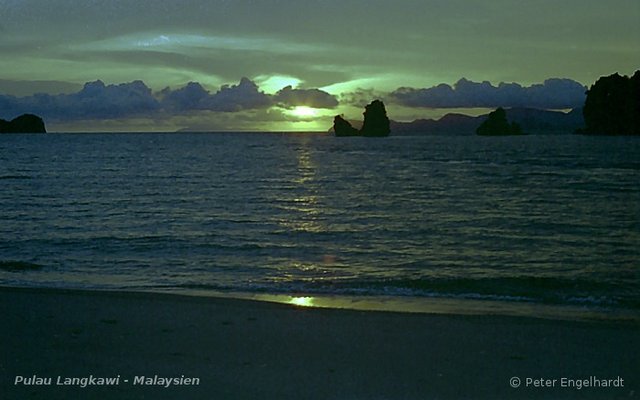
[(14, 177), (542, 290), (16, 266)]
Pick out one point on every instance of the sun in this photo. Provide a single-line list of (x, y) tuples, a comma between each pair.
[(304, 112)]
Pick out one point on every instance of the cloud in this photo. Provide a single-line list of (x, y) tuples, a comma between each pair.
[(361, 97), (191, 97), (97, 101), (288, 97), (552, 94), (243, 96)]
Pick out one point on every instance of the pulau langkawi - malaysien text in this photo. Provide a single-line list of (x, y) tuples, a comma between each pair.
[(86, 381)]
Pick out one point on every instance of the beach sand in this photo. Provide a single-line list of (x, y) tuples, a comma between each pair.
[(240, 349)]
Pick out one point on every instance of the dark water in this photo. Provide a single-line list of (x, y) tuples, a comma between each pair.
[(536, 219)]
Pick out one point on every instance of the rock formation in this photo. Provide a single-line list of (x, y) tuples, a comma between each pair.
[(496, 124), (342, 127), (376, 122), (26, 123), (612, 106)]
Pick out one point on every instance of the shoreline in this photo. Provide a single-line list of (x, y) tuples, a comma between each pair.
[(244, 349), (429, 305), (396, 304)]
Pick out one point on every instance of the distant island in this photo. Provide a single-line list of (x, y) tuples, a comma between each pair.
[(496, 124), (376, 123), (531, 120), (612, 106), (26, 123)]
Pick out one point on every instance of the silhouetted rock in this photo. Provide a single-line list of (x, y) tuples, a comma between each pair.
[(26, 123), (531, 120), (612, 106), (342, 127), (496, 124), (376, 123)]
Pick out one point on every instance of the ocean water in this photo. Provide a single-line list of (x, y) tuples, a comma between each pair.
[(550, 221)]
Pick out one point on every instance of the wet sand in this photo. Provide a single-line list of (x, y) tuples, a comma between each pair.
[(240, 349)]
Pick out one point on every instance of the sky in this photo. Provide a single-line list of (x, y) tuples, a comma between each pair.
[(292, 65)]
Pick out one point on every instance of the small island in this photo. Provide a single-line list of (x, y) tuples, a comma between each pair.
[(26, 123), (496, 124), (376, 123)]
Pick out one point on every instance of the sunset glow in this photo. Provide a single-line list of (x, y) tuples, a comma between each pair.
[(304, 112), (288, 66)]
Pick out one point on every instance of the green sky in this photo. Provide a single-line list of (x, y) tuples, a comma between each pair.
[(342, 47)]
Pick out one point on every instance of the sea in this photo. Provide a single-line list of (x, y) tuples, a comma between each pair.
[(538, 225)]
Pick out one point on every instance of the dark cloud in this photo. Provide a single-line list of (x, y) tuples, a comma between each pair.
[(246, 95), (191, 97), (243, 96), (95, 101), (99, 101), (552, 94), (361, 97), (288, 97)]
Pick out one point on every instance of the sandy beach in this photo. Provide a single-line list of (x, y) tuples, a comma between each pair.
[(156, 346)]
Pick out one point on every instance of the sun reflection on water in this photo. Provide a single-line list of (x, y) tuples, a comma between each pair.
[(305, 207)]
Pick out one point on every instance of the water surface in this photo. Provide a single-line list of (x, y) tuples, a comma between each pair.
[(548, 220)]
